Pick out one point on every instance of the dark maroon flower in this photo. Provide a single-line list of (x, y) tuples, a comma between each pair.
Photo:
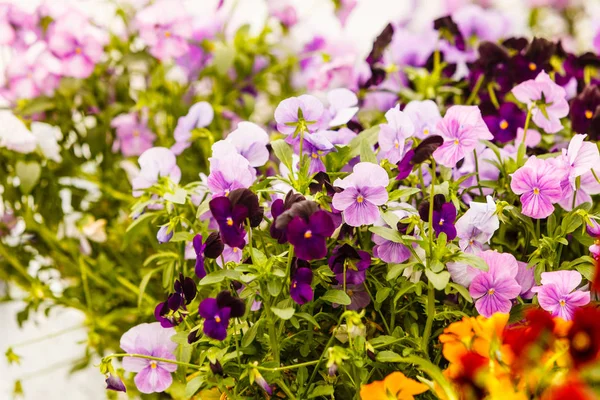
[(217, 313), (535, 59), (380, 44), (426, 148), (444, 215), (584, 109), (300, 289), (213, 247), (308, 234), (249, 200), (449, 30), (230, 219), (169, 312), (113, 382), (321, 181), (199, 248), (405, 165), (355, 262), (505, 122), (279, 207), (377, 77), (216, 368)]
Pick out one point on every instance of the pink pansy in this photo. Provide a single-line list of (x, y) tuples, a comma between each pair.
[(462, 128), (230, 254), (588, 186), (155, 163), (342, 106), (393, 135), (155, 341), (364, 191), (248, 140), (165, 27), (77, 43), (477, 225), (494, 290), (546, 99), (229, 173), (558, 294), (18, 28), (133, 136), (462, 273), (424, 115), (539, 186), (582, 157), (526, 279)]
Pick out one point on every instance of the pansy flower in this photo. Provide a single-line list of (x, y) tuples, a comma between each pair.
[(307, 230), (354, 262), (229, 173), (444, 215), (393, 135), (200, 115), (248, 140), (133, 135), (558, 293), (167, 313), (505, 122), (230, 219), (278, 207), (584, 109), (395, 386), (364, 191), (300, 286), (425, 116), (199, 248), (218, 311), (299, 113)]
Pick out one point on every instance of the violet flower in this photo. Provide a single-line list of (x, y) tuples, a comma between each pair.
[(584, 109), (297, 113), (342, 106), (477, 225), (354, 262), (165, 27), (444, 215), (199, 249), (300, 289), (229, 173), (546, 99), (537, 183), (77, 43), (113, 382), (308, 232), (462, 128), (505, 123), (558, 293), (200, 115), (155, 163), (133, 136), (217, 313), (425, 116), (230, 219), (393, 135), (593, 229), (278, 208), (364, 191), (164, 234), (248, 140), (167, 313), (150, 340), (493, 290)]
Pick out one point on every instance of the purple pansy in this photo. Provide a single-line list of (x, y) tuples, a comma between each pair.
[(230, 219), (539, 186), (444, 215), (546, 99), (167, 313), (200, 115), (393, 135), (150, 340), (278, 207), (308, 234), (354, 262), (505, 122), (199, 248), (217, 313), (300, 290), (133, 135), (364, 191), (558, 293), (462, 128), (493, 290), (584, 108)]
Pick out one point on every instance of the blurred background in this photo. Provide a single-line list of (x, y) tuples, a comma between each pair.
[(48, 346)]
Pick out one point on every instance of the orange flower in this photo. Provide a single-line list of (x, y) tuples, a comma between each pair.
[(395, 386)]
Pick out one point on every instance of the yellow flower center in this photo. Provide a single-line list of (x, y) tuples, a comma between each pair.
[(491, 291), (235, 249), (396, 144), (589, 114), (536, 190), (218, 319), (425, 131), (349, 292), (456, 141), (307, 234), (229, 221), (562, 302), (167, 34), (503, 124), (294, 285), (532, 66), (314, 155), (360, 198), (153, 364), (581, 341), (226, 192), (136, 133), (78, 50), (441, 221)]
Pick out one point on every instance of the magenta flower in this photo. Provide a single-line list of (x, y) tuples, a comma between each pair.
[(229, 173), (393, 135), (493, 290), (165, 27), (462, 128), (425, 116), (364, 191), (539, 186), (200, 115), (546, 99), (303, 112), (150, 340), (77, 43), (300, 289), (558, 294), (249, 140), (155, 163), (133, 136), (593, 229)]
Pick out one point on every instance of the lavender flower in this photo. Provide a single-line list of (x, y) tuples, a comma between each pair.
[(249, 140), (425, 116), (200, 115), (558, 294), (393, 135), (133, 135), (296, 113), (477, 225), (155, 163), (342, 106), (229, 173), (150, 340)]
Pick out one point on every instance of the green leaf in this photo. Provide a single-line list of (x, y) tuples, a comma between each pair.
[(144, 283), (336, 296), (283, 313), (404, 192), (472, 260), (369, 136), (587, 270), (193, 385), (394, 271), (250, 334), (178, 197), (309, 318), (382, 294), (389, 356), (366, 153), (283, 152), (387, 233), (140, 220), (29, 174), (219, 276), (182, 237), (223, 58), (37, 105), (464, 292), (321, 390), (440, 280)]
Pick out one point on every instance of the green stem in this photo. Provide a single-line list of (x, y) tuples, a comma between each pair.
[(477, 172), (285, 389), (522, 146), (329, 342), (166, 360), (475, 91), (493, 97), (430, 314), (595, 176), (288, 367)]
